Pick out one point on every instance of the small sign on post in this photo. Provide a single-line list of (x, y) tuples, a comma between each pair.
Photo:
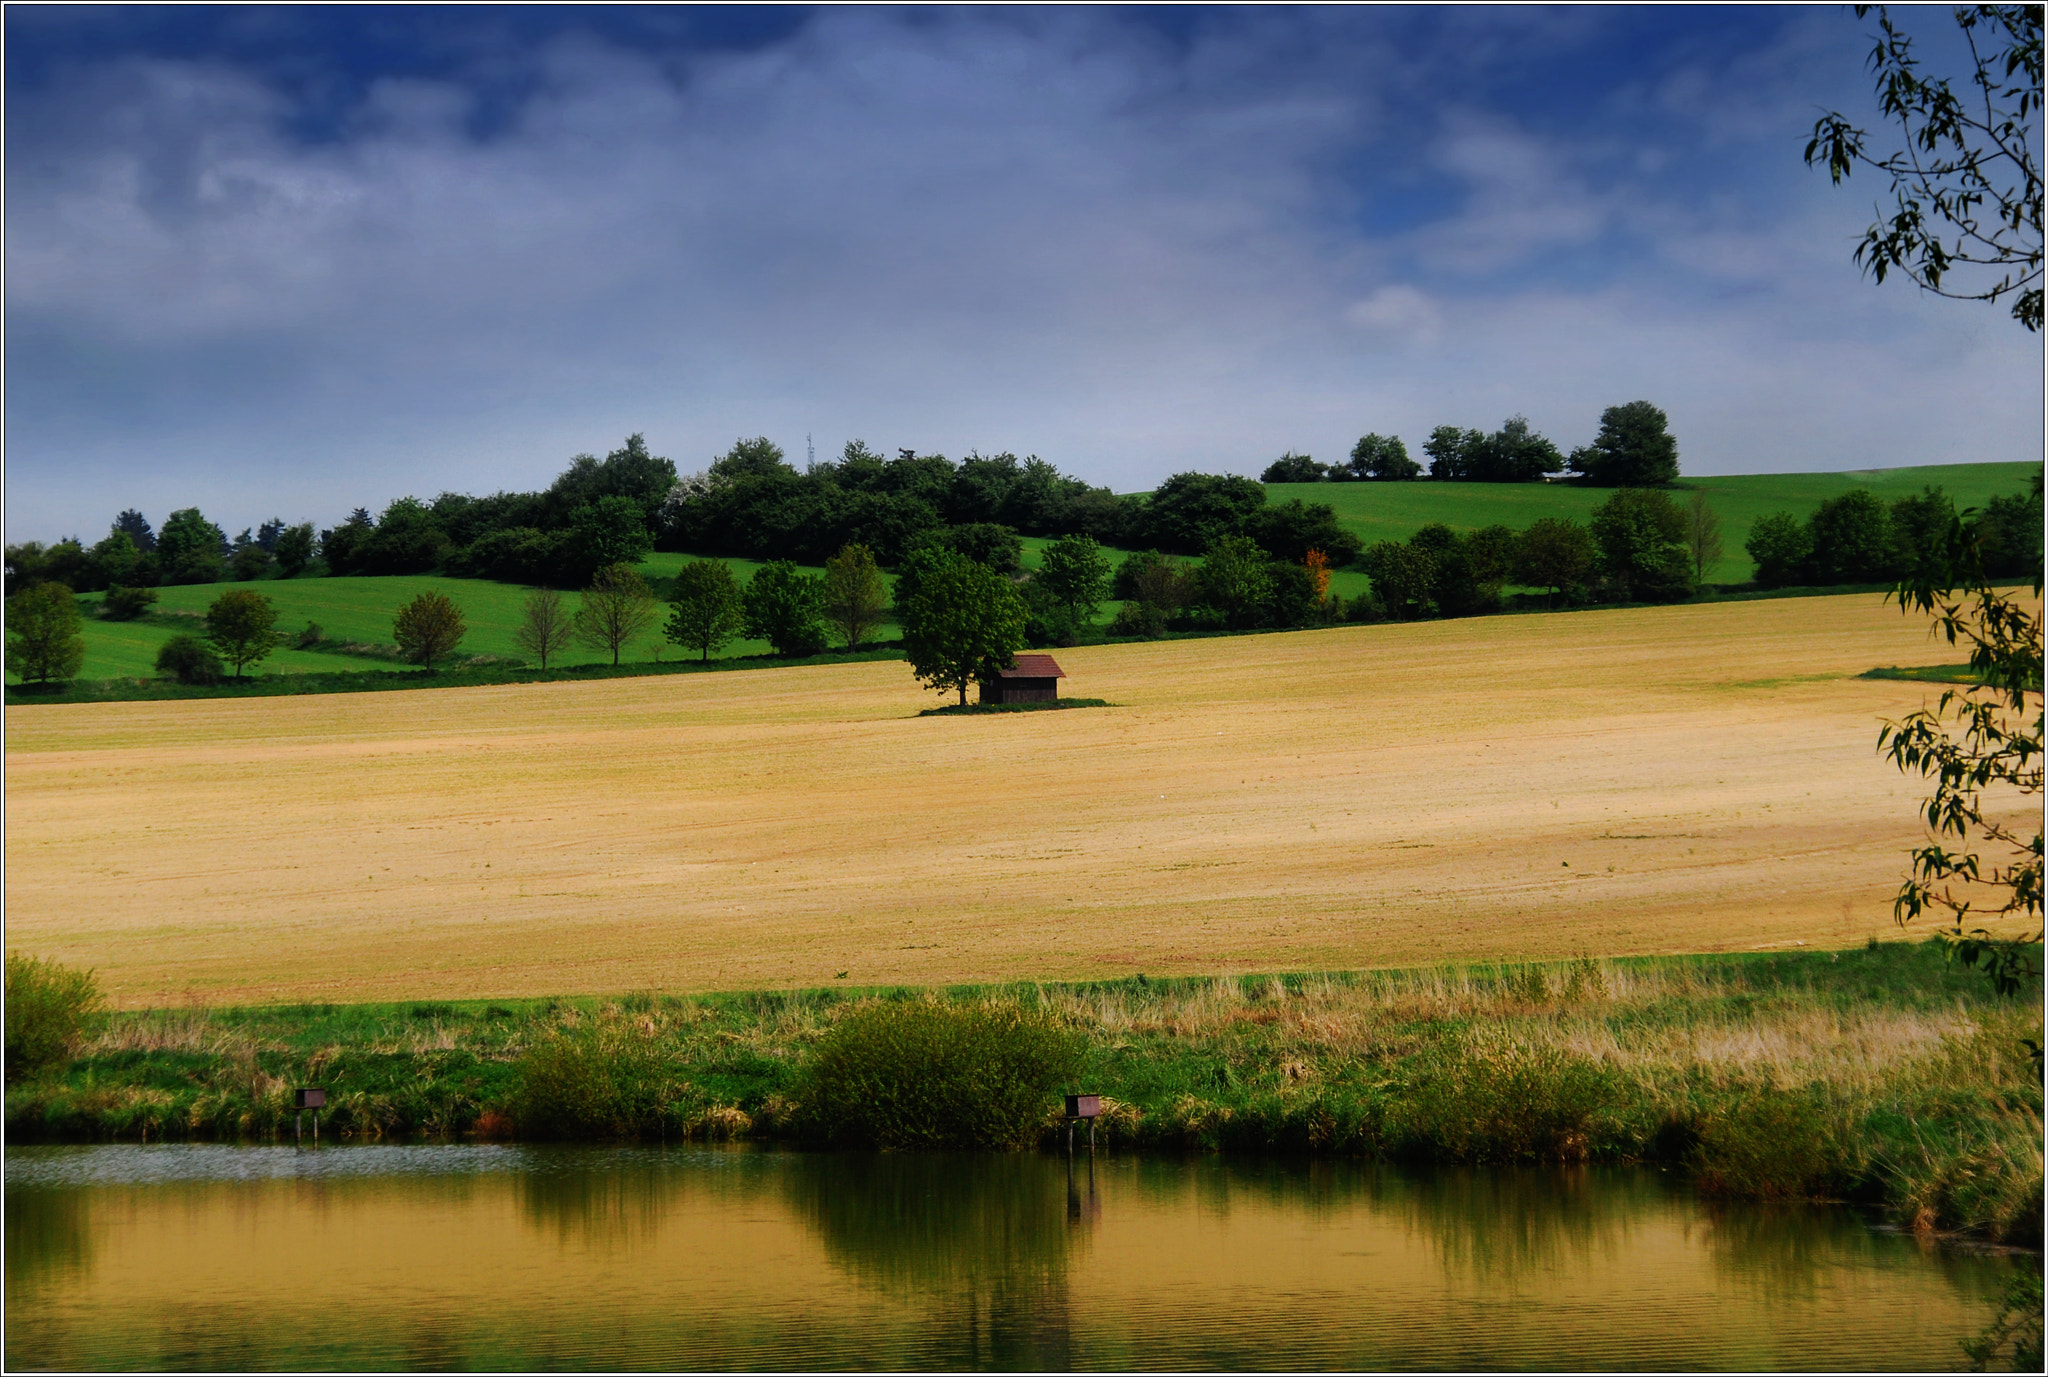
[(1082, 1107), (307, 1097)]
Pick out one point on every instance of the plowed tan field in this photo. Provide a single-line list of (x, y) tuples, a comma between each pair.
[(1681, 779)]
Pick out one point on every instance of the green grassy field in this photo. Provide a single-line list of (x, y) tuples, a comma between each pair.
[(1394, 511), (360, 610)]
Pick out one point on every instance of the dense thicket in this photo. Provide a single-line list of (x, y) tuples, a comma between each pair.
[(1632, 550), (1858, 538)]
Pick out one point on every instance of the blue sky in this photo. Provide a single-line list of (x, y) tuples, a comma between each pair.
[(289, 262)]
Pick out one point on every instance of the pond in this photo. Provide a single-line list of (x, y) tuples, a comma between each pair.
[(441, 1257)]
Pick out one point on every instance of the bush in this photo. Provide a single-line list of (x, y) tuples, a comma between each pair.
[(310, 637), (50, 1010), (929, 1075), (1139, 619), (126, 604), (189, 660), (593, 1082)]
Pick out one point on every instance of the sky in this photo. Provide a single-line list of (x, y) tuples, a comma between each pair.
[(288, 262)]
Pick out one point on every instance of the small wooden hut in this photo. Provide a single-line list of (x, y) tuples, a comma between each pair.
[(1032, 679)]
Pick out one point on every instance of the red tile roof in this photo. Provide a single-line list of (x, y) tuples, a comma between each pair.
[(1035, 667)]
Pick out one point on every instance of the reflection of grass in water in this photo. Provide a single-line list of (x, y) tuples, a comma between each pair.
[(49, 1236), (1510, 1223)]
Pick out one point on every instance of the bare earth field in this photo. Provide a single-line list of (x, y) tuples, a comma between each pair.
[(1608, 782)]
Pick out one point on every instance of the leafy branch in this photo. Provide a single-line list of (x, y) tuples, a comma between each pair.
[(1966, 187), (1983, 738)]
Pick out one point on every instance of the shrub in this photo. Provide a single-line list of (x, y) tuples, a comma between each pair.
[(1139, 619), (929, 1075), (50, 1009), (599, 1081), (189, 660), (310, 637), (126, 604)]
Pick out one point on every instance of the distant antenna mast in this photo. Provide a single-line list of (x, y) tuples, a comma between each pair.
[(810, 451)]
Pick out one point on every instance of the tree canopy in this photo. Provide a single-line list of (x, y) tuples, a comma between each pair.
[(704, 607), (428, 629), (616, 607), (1640, 534), (43, 644), (786, 608), (240, 625), (1634, 449), (855, 596), (964, 623)]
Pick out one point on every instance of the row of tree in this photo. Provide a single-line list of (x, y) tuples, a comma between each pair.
[(1858, 538), (751, 502), (1638, 546), (1633, 449)]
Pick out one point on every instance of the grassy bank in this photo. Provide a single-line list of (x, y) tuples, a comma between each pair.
[(1874, 1074)]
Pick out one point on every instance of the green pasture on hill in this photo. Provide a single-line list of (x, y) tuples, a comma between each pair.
[(1395, 511), (360, 609)]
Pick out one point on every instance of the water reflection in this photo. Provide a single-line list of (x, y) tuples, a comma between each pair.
[(49, 1237), (427, 1259), (614, 1209)]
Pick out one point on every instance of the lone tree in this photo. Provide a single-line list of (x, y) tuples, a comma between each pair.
[(616, 607), (240, 624), (855, 596), (785, 608), (1702, 535), (545, 627), (428, 629), (1966, 188), (704, 608), (1634, 449), (964, 623), (43, 644)]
